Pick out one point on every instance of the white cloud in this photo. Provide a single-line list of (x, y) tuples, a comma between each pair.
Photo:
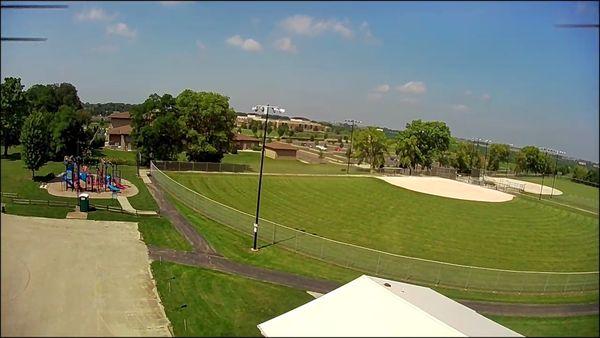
[(200, 45), (94, 14), (286, 45), (121, 29), (384, 88), (249, 45), (105, 49), (486, 97), (367, 35), (468, 92), (412, 87), (461, 108), (309, 26)]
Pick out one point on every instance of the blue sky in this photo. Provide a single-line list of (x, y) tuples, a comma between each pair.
[(501, 71)]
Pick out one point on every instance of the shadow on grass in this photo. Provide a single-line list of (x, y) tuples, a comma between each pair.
[(12, 157), (47, 178)]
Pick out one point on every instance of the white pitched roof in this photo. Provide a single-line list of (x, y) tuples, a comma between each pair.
[(367, 307)]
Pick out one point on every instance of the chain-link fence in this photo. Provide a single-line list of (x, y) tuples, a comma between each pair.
[(201, 166), (377, 262)]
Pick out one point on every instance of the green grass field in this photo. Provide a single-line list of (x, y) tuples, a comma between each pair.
[(236, 246), (286, 166), (16, 178), (521, 234), (574, 194), (219, 304), (580, 326)]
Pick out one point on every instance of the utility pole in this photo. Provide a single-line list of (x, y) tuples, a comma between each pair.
[(351, 142)]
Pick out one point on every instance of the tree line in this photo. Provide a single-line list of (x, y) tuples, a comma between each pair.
[(47, 120), (425, 143), (200, 124)]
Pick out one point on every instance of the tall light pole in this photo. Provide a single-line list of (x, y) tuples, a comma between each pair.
[(556, 153), (262, 109), (351, 141), (508, 157), (545, 150), (485, 157)]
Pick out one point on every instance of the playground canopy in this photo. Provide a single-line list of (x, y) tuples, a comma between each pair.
[(375, 307)]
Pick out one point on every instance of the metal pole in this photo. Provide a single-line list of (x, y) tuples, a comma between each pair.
[(485, 160), (555, 171), (350, 149), (262, 159), (542, 187)]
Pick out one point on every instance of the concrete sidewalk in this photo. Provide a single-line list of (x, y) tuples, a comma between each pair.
[(130, 209)]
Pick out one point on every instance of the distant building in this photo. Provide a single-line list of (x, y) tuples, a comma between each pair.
[(243, 142), (277, 150), (294, 123), (119, 130)]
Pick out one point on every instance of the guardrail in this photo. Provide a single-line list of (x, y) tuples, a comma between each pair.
[(380, 263)]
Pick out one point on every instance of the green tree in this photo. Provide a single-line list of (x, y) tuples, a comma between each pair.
[(282, 129), (531, 159), (580, 172), (407, 149), (497, 153), (370, 146), (35, 138), (157, 130), (254, 127), (52, 96), (429, 137), (42, 97), (66, 95), (69, 132), (14, 109), (209, 120)]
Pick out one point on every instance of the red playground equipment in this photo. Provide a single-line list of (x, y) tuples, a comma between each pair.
[(80, 178)]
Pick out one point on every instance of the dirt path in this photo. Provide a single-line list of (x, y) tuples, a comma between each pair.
[(206, 257)]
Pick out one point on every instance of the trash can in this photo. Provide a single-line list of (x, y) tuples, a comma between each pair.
[(84, 202)]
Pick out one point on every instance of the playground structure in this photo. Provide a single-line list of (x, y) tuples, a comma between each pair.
[(79, 177)]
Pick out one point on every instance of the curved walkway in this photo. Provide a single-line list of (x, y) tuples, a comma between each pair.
[(205, 256)]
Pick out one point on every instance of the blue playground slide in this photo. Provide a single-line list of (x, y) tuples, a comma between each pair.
[(113, 188)]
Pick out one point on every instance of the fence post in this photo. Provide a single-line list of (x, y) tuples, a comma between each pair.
[(378, 262), (220, 166)]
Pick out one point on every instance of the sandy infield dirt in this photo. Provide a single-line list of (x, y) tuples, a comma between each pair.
[(63, 277), (447, 188), (532, 188)]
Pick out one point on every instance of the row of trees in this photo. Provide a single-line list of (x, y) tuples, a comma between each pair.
[(47, 120), (420, 144), (423, 143), (200, 124)]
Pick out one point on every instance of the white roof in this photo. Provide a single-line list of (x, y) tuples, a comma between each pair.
[(367, 307)]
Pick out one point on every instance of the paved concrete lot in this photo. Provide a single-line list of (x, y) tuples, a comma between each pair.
[(447, 188), (63, 277)]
